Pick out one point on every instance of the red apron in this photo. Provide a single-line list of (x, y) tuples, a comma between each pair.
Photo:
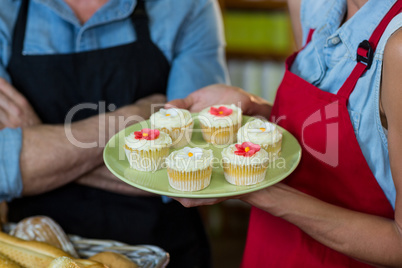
[(332, 168)]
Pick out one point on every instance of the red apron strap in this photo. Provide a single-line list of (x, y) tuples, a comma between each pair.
[(309, 37), (289, 61), (365, 52)]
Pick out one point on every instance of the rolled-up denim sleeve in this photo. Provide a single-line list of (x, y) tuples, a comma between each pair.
[(10, 175), (199, 53), (3, 72)]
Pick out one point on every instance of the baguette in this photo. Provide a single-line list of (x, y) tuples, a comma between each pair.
[(7, 262), (63, 262), (29, 253), (114, 260), (90, 263), (34, 254), (44, 229), (66, 262)]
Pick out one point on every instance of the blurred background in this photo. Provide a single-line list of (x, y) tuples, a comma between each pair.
[(259, 38)]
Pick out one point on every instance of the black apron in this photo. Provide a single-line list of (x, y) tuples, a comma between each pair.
[(54, 84)]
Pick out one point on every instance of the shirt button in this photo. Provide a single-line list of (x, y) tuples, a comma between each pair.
[(335, 40)]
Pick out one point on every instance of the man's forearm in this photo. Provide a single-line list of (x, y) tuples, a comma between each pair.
[(50, 158)]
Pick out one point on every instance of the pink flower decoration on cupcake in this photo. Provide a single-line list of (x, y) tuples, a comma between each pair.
[(147, 134), (221, 111), (247, 149)]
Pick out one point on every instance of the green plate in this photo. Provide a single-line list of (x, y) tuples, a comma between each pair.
[(157, 182)]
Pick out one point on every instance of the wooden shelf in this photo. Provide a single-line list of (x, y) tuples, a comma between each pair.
[(255, 7), (253, 4)]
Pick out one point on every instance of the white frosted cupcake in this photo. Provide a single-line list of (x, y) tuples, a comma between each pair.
[(189, 169), (263, 133), (178, 123), (244, 164), (219, 123), (147, 149)]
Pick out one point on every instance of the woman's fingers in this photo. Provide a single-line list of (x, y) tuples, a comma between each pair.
[(186, 103)]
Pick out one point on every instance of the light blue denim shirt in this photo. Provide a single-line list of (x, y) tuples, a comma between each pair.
[(189, 33), (10, 176), (330, 58)]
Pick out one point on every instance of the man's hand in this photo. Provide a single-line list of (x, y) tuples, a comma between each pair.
[(223, 94), (102, 178), (15, 110)]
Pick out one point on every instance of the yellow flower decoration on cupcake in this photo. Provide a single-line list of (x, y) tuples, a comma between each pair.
[(191, 153), (264, 127), (172, 112), (189, 169), (178, 123)]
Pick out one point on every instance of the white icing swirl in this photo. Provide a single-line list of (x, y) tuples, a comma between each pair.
[(189, 159), (228, 154), (171, 118), (162, 141), (210, 120), (259, 132)]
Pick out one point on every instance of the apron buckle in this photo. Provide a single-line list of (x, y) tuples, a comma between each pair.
[(365, 53)]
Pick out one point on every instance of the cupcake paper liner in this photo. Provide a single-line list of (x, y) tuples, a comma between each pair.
[(273, 150), (244, 174), (220, 135), (190, 180), (150, 160)]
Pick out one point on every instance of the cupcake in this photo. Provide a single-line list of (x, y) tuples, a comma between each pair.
[(263, 133), (244, 164), (178, 123), (189, 169), (147, 149), (219, 123)]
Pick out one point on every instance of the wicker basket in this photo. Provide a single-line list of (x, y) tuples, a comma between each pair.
[(146, 256)]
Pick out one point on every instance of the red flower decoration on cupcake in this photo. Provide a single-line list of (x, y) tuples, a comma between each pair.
[(147, 134), (221, 111), (247, 149)]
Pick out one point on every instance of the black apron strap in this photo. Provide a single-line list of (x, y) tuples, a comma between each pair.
[(19, 28), (140, 21)]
